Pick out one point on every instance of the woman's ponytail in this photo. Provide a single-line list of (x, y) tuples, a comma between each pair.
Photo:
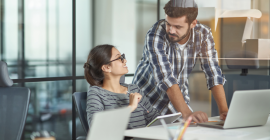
[(98, 56)]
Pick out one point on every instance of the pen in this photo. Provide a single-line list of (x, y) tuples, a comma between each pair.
[(184, 128), (144, 108), (179, 129)]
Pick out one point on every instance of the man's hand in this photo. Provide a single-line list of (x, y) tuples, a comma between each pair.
[(198, 117), (134, 99), (223, 116)]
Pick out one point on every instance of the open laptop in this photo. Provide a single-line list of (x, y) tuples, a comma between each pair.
[(248, 108), (109, 124)]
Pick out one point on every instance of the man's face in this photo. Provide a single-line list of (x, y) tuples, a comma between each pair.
[(177, 28)]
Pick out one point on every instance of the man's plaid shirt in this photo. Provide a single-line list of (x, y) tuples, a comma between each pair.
[(163, 64)]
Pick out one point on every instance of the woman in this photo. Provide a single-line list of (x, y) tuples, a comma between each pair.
[(103, 69)]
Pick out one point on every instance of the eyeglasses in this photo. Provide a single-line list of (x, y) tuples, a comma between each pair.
[(122, 57)]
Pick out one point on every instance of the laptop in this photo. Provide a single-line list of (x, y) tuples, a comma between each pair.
[(248, 108), (109, 124)]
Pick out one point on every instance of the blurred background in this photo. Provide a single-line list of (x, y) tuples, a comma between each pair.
[(36, 42)]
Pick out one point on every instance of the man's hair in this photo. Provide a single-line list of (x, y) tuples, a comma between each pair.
[(190, 12)]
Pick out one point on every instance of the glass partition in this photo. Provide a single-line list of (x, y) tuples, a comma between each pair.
[(84, 33), (50, 108)]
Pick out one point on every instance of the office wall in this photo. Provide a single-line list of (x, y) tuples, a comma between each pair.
[(124, 24), (114, 25)]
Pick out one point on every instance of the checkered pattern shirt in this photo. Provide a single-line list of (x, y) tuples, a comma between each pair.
[(163, 64)]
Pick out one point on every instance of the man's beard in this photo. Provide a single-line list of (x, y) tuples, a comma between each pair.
[(178, 38)]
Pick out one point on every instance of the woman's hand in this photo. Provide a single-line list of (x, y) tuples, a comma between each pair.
[(134, 99)]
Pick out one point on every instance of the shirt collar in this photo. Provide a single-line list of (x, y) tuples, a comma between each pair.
[(191, 39)]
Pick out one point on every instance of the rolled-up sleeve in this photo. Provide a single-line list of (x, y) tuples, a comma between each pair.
[(209, 62), (162, 69)]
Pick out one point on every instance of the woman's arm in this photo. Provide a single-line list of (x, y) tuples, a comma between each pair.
[(94, 104)]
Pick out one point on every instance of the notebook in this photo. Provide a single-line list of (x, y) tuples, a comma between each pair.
[(109, 124)]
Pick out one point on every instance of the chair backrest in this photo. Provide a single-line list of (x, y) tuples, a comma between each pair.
[(79, 99), (14, 102), (5, 81)]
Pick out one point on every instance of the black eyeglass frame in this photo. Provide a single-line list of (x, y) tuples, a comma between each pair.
[(122, 57)]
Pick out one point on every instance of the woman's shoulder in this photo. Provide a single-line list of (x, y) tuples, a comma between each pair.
[(95, 90), (97, 93)]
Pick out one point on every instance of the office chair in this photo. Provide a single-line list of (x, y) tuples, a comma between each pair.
[(14, 103), (79, 98), (241, 81)]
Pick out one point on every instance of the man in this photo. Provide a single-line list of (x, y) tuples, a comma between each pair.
[(171, 48)]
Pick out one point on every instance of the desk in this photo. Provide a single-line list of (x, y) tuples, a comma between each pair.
[(204, 133)]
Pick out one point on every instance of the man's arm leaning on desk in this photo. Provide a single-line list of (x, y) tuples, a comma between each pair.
[(214, 77), (175, 95)]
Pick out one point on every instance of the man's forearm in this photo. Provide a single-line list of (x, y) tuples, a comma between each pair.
[(175, 95), (219, 95)]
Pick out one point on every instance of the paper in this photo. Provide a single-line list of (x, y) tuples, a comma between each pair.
[(217, 132)]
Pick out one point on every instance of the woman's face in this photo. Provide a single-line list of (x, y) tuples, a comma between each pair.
[(118, 67)]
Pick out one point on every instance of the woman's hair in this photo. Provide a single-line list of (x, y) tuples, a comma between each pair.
[(190, 12), (98, 56)]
